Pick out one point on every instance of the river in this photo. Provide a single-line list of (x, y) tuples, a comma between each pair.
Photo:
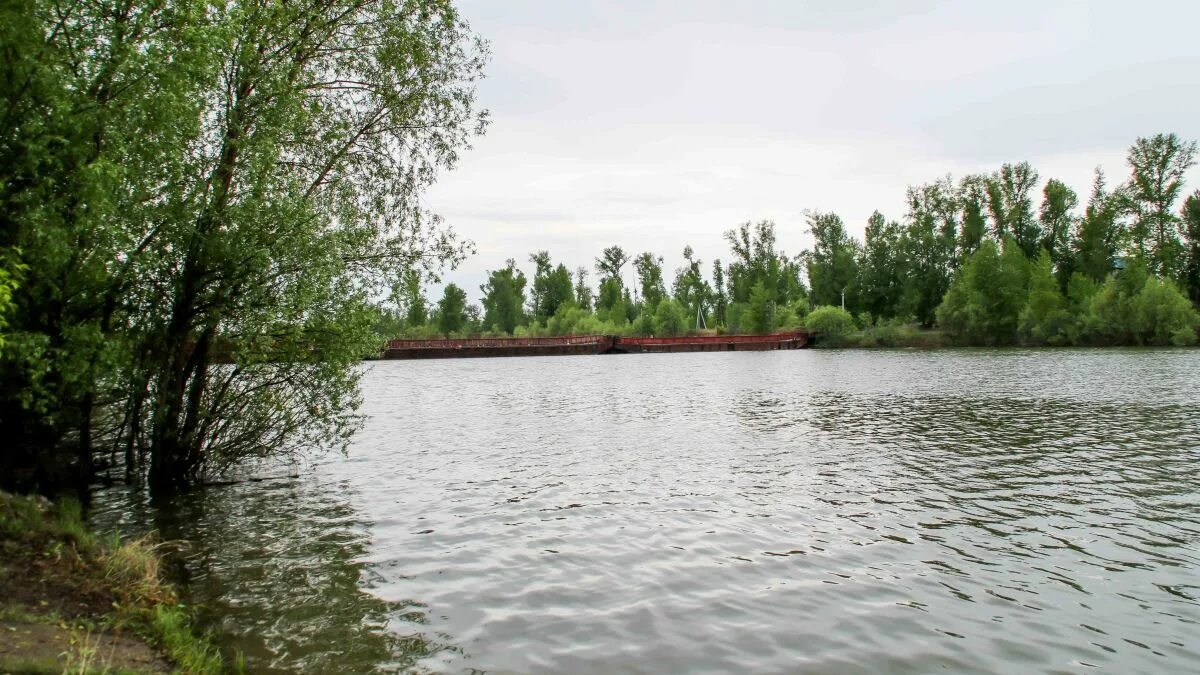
[(815, 511)]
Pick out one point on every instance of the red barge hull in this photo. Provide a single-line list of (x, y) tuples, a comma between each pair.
[(589, 344)]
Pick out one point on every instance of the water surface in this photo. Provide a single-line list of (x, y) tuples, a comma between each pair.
[(794, 511)]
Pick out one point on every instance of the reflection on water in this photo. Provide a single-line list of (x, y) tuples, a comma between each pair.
[(974, 511), (276, 571)]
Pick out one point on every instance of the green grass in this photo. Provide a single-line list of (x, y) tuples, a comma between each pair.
[(130, 571), (175, 634)]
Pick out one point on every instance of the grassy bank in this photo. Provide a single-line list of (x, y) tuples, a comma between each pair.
[(71, 601), (887, 336)]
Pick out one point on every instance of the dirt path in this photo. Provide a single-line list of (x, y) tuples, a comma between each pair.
[(28, 647)]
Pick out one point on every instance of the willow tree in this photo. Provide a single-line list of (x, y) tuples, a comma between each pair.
[(325, 121), (99, 102), (246, 175)]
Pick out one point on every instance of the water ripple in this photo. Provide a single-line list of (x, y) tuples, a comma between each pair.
[(974, 511)]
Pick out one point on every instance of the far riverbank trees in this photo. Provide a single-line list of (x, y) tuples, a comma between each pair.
[(995, 259)]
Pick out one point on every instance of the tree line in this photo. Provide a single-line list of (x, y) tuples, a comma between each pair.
[(199, 202), (986, 258)]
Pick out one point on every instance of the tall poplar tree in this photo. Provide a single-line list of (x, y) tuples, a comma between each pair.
[(504, 298), (1057, 218), (1190, 278), (1011, 204), (832, 263), (1158, 164)]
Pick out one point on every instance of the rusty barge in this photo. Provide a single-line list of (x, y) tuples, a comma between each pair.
[(589, 344)]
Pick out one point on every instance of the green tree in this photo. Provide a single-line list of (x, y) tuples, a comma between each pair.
[(690, 289), (927, 246), (1158, 165), (210, 195), (8, 283), (984, 303), (552, 287), (1190, 279), (1011, 206), (1045, 319), (1100, 234), (670, 318), (1136, 307), (759, 316), (610, 295), (650, 277), (610, 262), (541, 270), (720, 294), (880, 267), (755, 260), (412, 299), (452, 310), (1056, 219), (504, 298), (973, 194), (832, 264), (583, 294)]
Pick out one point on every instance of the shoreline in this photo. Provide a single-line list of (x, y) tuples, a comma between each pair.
[(75, 601), (870, 338)]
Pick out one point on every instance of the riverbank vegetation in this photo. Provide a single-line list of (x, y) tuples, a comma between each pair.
[(76, 602), (199, 202), (203, 203), (977, 261)]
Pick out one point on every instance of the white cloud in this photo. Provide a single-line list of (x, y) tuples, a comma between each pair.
[(658, 124)]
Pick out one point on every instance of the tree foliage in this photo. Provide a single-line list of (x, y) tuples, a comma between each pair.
[(880, 267), (755, 261), (1011, 204), (552, 287), (1190, 277), (985, 300), (691, 290), (670, 318), (650, 278), (211, 193), (1158, 164), (452, 310), (504, 298), (832, 263)]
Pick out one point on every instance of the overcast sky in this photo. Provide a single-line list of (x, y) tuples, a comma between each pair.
[(656, 124)]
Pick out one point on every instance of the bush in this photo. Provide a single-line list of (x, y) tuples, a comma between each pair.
[(644, 326), (734, 314), (1137, 308), (1045, 319), (785, 318), (1184, 337), (759, 316), (670, 318), (1162, 312), (830, 323)]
